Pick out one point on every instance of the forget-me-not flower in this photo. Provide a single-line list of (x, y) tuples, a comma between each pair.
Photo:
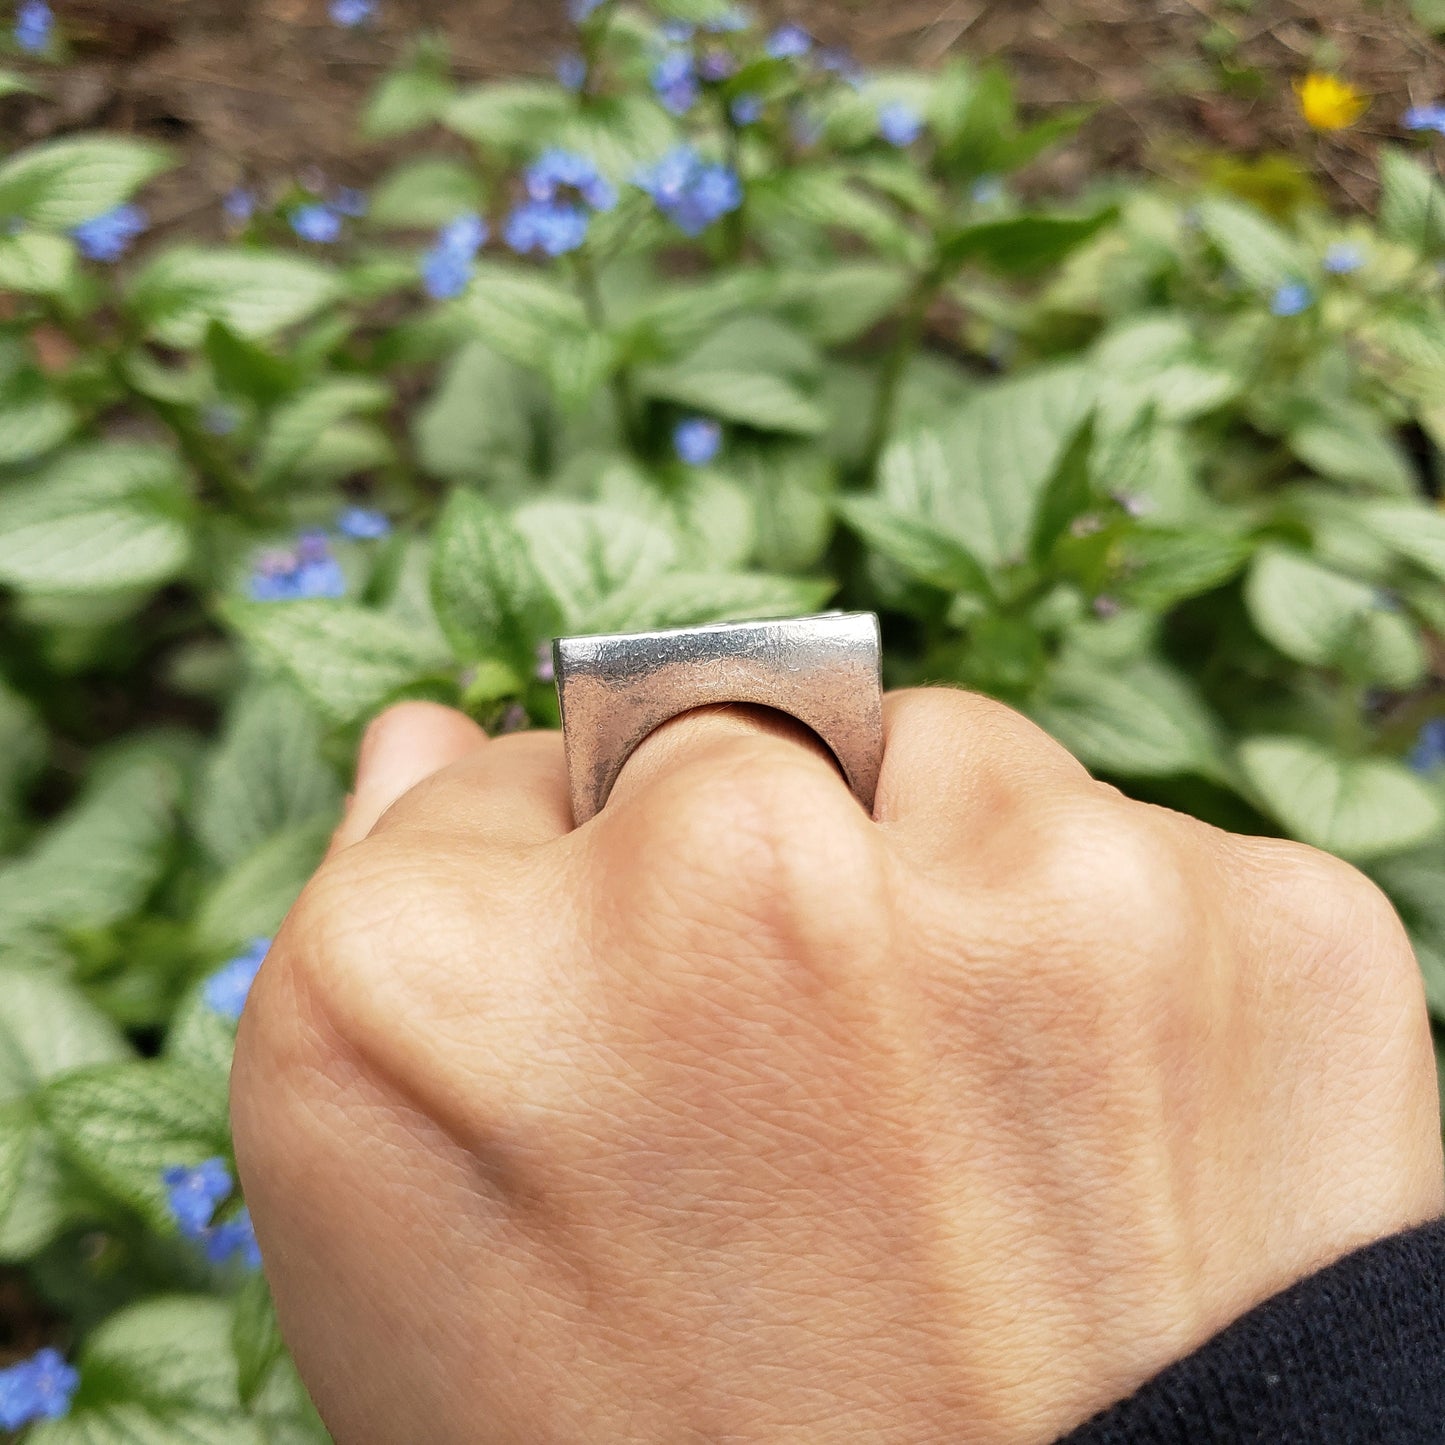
[(675, 82), (195, 1193), (447, 268), (552, 228), (225, 991), (34, 26), (789, 42), (1425, 117), (746, 110), (350, 14), (899, 124), (717, 65), (39, 1388), (697, 440), (580, 11), (1342, 258), (316, 221), (239, 205), (1428, 754), (733, 19), (349, 201), (1291, 299), (233, 1238), (987, 191), (307, 570), (692, 192), (572, 73), (220, 418), (556, 174), (563, 189), (108, 237), (363, 524)]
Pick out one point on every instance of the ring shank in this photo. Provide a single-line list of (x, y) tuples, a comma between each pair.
[(617, 689)]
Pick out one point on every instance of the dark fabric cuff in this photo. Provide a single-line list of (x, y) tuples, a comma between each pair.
[(1353, 1355)]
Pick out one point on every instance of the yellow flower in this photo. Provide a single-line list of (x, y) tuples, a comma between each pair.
[(1329, 103)]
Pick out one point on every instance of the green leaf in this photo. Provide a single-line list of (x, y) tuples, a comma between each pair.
[(1413, 882), (1356, 807), (246, 369), (297, 426), (1350, 444), (348, 660), (23, 750), (1162, 567), (1022, 245), (102, 518), (267, 774), (508, 115), (1307, 611), (461, 441), (916, 545), (35, 263), (406, 101), (425, 193), (792, 489), (675, 320), (255, 1337), (1415, 533), (980, 479), (750, 398), (255, 293), (826, 197), (1261, 254), (1143, 722), (686, 599), (100, 860), (584, 554), (838, 304), (123, 1124), (1412, 203), (199, 1037), (48, 1027), (60, 183), (486, 590)]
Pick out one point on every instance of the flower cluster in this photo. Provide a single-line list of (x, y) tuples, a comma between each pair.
[(225, 991), (39, 1388), (194, 1195), (564, 191), (307, 570), (1428, 754), (447, 268), (690, 191), (352, 14), (1425, 117), (108, 237), (363, 524), (899, 124), (1291, 298), (321, 221), (34, 26)]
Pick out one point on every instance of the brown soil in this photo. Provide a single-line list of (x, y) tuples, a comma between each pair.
[(261, 90)]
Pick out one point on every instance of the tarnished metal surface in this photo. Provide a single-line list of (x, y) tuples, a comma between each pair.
[(616, 689)]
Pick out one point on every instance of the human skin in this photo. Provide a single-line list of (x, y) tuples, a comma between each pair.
[(736, 1115)]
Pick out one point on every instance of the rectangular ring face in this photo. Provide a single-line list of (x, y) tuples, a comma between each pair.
[(617, 688)]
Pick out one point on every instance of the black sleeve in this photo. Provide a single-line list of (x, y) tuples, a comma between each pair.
[(1354, 1355)]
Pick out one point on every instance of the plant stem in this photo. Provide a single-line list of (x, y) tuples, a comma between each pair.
[(736, 228), (895, 365), (623, 394)]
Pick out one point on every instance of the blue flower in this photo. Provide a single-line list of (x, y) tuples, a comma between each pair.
[(1342, 258), (899, 124), (729, 22), (226, 990), (746, 110), (239, 205), (363, 524), (678, 32), (193, 1194), (447, 268), (987, 191), (316, 221), (675, 82), (843, 65), (108, 237), (350, 14), (1428, 754), (34, 25), (572, 73), (307, 570), (697, 440), (691, 192), (1424, 117), (789, 42), (350, 202), (551, 227), (558, 175), (717, 65), (1291, 298), (220, 418), (39, 1388), (234, 1239), (580, 11)]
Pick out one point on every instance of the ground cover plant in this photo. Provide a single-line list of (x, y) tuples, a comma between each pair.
[(716, 325)]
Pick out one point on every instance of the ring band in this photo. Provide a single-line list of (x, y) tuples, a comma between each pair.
[(616, 689)]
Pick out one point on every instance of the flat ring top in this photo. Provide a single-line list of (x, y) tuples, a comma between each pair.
[(616, 688)]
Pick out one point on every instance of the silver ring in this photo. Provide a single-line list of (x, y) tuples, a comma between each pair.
[(615, 689)]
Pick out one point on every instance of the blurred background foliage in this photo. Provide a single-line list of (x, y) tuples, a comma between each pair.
[(349, 353)]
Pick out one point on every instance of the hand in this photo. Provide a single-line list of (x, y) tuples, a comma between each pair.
[(736, 1115)]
